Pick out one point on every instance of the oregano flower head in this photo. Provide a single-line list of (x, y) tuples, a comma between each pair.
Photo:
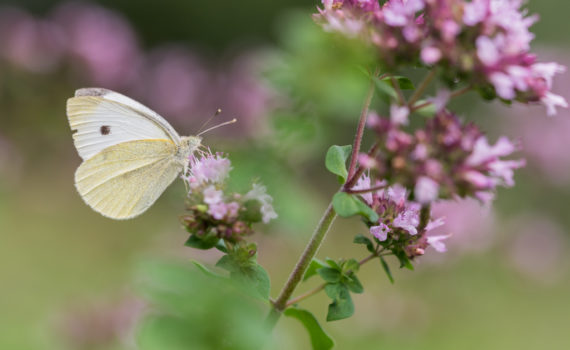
[(484, 43)]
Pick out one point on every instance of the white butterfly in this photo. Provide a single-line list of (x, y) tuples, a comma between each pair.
[(130, 153)]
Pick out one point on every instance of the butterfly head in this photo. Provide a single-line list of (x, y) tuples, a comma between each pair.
[(189, 144)]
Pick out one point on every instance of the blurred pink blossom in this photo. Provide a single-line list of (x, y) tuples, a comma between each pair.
[(470, 224), (545, 141), (101, 41), (30, 43), (175, 83), (102, 325), (240, 91), (537, 249)]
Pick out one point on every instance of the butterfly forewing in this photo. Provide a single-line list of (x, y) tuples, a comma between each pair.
[(122, 181), (102, 118)]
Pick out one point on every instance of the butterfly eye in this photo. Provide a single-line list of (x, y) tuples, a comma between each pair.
[(105, 130)]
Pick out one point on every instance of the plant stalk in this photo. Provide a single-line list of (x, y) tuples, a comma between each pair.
[(297, 274), (422, 88), (360, 128), (323, 227)]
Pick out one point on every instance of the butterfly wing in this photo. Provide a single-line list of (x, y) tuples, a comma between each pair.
[(124, 180), (102, 118)]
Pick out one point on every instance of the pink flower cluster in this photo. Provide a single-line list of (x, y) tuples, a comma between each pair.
[(484, 43), (400, 226), (213, 211), (442, 160)]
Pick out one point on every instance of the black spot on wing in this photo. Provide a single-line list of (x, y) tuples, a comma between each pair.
[(105, 130)]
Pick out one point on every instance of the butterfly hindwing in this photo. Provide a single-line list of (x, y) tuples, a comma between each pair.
[(124, 180)]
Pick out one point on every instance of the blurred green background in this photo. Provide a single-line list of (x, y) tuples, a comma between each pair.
[(70, 278)]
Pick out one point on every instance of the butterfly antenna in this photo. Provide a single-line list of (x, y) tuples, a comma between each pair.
[(218, 111), (217, 126)]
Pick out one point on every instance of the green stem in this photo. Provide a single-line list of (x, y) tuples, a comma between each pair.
[(360, 128), (396, 85), (367, 190), (296, 275), (324, 225), (422, 88), (453, 95), (306, 295)]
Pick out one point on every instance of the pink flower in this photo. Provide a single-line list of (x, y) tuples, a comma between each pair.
[(475, 11), (399, 114), (426, 190), (408, 220), (551, 101), (483, 152), (218, 210), (362, 184), (437, 242), (380, 232), (208, 169), (233, 209), (212, 196), (400, 13), (487, 51), (504, 170), (431, 55)]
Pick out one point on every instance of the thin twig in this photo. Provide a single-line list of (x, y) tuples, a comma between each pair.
[(360, 170), (367, 190), (305, 295), (360, 128), (454, 94), (422, 88), (401, 98)]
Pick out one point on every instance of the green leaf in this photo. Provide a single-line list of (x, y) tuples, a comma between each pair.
[(249, 274), (333, 264), (227, 263), (259, 280), (204, 243), (333, 290), (347, 205), (427, 111), (252, 212), (221, 246), (361, 239), (387, 269), (313, 267), (329, 274), (205, 270), (353, 283), (403, 82), (404, 260), (386, 90), (342, 306), (352, 265), (363, 70), (335, 160), (320, 340)]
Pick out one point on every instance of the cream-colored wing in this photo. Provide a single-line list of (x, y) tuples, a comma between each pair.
[(124, 180), (102, 118)]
